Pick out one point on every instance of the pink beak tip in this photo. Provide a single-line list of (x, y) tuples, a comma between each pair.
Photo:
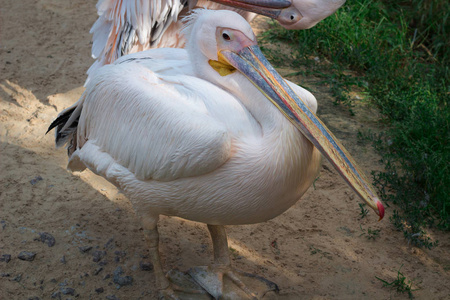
[(380, 210)]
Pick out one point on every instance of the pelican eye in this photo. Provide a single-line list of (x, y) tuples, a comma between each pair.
[(226, 37)]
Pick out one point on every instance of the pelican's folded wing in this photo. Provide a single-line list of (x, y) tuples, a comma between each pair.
[(124, 24), (154, 126)]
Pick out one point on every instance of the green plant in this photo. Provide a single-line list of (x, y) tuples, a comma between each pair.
[(364, 211), (314, 250), (399, 55), (371, 234), (401, 284)]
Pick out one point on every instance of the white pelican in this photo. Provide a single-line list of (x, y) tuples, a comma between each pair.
[(129, 26), (210, 133)]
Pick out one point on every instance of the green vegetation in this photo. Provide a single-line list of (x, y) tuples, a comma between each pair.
[(364, 211), (313, 250), (401, 285), (370, 234), (399, 56)]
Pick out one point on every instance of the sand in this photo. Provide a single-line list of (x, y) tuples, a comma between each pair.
[(315, 250)]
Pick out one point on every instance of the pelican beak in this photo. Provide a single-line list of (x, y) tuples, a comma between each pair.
[(281, 10), (252, 63)]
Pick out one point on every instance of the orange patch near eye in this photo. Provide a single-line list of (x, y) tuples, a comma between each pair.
[(221, 65), (221, 68)]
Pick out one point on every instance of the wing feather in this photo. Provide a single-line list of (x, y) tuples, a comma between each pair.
[(126, 26), (130, 22), (154, 126)]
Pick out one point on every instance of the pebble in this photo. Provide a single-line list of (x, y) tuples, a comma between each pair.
[(36, 180), (63, 259), (28, 256), (18, 278), (64, 283), (34, 298), (85, 249), (99, 290), (121, 280), (146, 266), (98, 270), (112, 297), (119, 255), (68, 291), (3, 222), (98, 255), (46, 238), (109, 244), (103, 263), (6, 258), (56, 295)]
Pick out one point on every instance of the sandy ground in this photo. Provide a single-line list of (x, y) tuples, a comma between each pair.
[(315, 250)]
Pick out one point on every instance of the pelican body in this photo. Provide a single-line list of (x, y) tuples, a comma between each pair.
[(210, 133)]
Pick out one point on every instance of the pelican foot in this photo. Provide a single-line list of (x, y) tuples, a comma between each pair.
[(183, 287), (222, 282)]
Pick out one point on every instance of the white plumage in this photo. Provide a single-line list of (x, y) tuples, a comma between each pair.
[(193, 149), (209, 133)]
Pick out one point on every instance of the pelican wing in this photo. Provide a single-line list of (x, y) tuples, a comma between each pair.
[(123, 24), (156, 126)]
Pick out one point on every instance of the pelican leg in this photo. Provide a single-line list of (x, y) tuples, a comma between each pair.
[(166, 288), (212, 278), (152, 236)]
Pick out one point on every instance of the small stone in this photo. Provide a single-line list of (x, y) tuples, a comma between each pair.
[(56, 295), (64, 283), (34, 298), (36, 180), (6, 258), (85, 249), (68, 291), (98, 255), (146, 266), (46, 238), (98, 270), (27, 256), (5, 274), (18, 278), (99, 290), (112, 297), (107, 276), (3, 222), (109, 244), (103, 263), (119, 255), (63, 260), (121, 280)]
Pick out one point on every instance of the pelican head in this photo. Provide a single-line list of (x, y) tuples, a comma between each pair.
[(291, 14), (311, 11), (223, 47)]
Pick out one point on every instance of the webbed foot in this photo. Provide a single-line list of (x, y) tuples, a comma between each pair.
[(223, 282)]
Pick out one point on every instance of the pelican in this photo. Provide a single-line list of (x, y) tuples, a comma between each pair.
[(210, 133), (130, 26)]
